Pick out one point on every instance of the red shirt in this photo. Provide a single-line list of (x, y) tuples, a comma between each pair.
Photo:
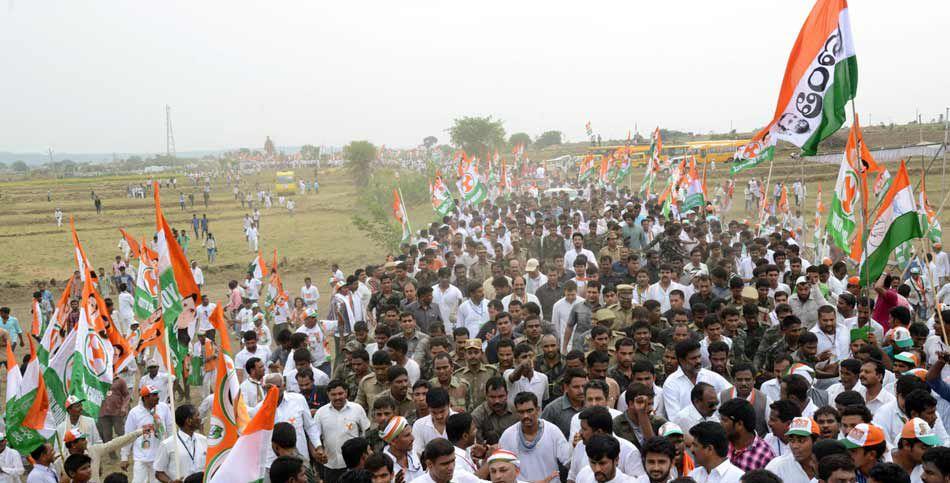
[(882, 307)]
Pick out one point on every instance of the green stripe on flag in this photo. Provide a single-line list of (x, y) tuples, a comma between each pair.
[(905, 227), (843, 87)]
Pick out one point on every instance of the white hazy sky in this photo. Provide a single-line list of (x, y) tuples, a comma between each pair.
[(94, 75)]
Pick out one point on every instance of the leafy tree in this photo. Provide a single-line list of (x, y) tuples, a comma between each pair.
[(430, 141), (19, 167), (519, 138), (361, 155), (309, 151), (549, 138), (478, 136)]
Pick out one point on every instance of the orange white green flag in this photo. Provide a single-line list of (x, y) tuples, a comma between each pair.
[(28, 419), (228, 415), (178, 292), (399, 212), (820, 78), (895, 222), (244, 462), (258, 268), (930, 222)]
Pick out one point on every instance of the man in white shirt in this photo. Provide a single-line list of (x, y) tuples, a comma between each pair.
[(561, 311), (292, 408), (577, 248), (604, 455), (155, 419), (43, 471), (76, 420), (251, 349), (251, 387), (309, 294), (518, 293), (184, 453), (11, 463), (473, 313), (703, 405), (799, 465), (203, 317), (679, 385), (597, 421), (252, 288), (539, 443), (523, 377), (335, 423), (156, 379), (534, 278), (872, 378), (126, 310), (710, 446), (833, 338), (660, 291), (197, 273), (448, 298)]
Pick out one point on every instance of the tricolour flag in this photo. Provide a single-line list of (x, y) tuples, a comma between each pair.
[(52, 336), (752, 154), (133, 243), (586, 168), (216, 319), (228, 416), (90, 376), (820, 78), (28, 419), (399, 212), (179, 294), (244, 463), (145, 297), (471, 187), (442, 201), (257, 267), (694, 189), (82, 263), (896, 222), (928, 217), (37, 325)]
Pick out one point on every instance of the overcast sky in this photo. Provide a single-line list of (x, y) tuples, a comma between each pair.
[(94, 75)]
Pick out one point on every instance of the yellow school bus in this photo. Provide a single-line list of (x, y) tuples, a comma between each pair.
[(704, 151), (285, 183)]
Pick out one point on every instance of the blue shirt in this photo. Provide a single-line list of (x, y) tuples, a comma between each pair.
[(11, 325)]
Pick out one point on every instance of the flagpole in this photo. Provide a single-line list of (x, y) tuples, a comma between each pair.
[(765, 195), (171, 394)]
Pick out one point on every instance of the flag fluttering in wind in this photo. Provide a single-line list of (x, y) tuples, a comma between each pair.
[(851, 188), (930, 222), (37, 324), (399, 212), (244, 462), (82, 263), (216, 319), (820, 78), (145, 297), (895, 222), (179, 292), (29, 421), (471, 187), (133, 243), (442, 201), (258, 268), (653, 163), (586, 168), (92, 364), (228, 416), (52, 336), (694, 189), (590, 131), (753, 154)]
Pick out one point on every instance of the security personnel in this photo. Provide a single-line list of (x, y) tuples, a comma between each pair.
[(475, 373), (623, 309)]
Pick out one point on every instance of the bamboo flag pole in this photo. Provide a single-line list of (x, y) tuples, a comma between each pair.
[(765, 197), (171, 395)]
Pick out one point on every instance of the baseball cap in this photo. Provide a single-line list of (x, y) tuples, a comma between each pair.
[(472, 344), (908, 357), (902, 337), (352, 346), (917, 428), (311, 313), (854, 280), (532, 265), (72, 400), (73, 435), (148, 389), (803, 370), (670, 429), (915, 270), (862, 436), (803, 427), (920, 372)]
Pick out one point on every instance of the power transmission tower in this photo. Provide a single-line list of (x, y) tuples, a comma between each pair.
[(169, 134)]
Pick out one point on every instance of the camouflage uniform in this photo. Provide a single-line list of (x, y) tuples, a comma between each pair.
[(368, 391), (654, 356), (459, 393), (476, 381)]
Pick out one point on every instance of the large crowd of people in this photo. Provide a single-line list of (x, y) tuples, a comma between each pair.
[(542, 339)]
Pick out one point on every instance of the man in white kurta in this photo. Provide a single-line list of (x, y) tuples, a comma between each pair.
[(336, 423), (543, 446)]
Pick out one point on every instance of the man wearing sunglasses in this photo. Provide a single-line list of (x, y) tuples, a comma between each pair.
[(703, 404)]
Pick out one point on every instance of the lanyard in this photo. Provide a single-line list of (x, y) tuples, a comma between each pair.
[(191, 453)]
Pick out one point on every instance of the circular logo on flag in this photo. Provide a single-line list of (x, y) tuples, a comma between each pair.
[(215, 432), (96, 355), (468, 182)]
